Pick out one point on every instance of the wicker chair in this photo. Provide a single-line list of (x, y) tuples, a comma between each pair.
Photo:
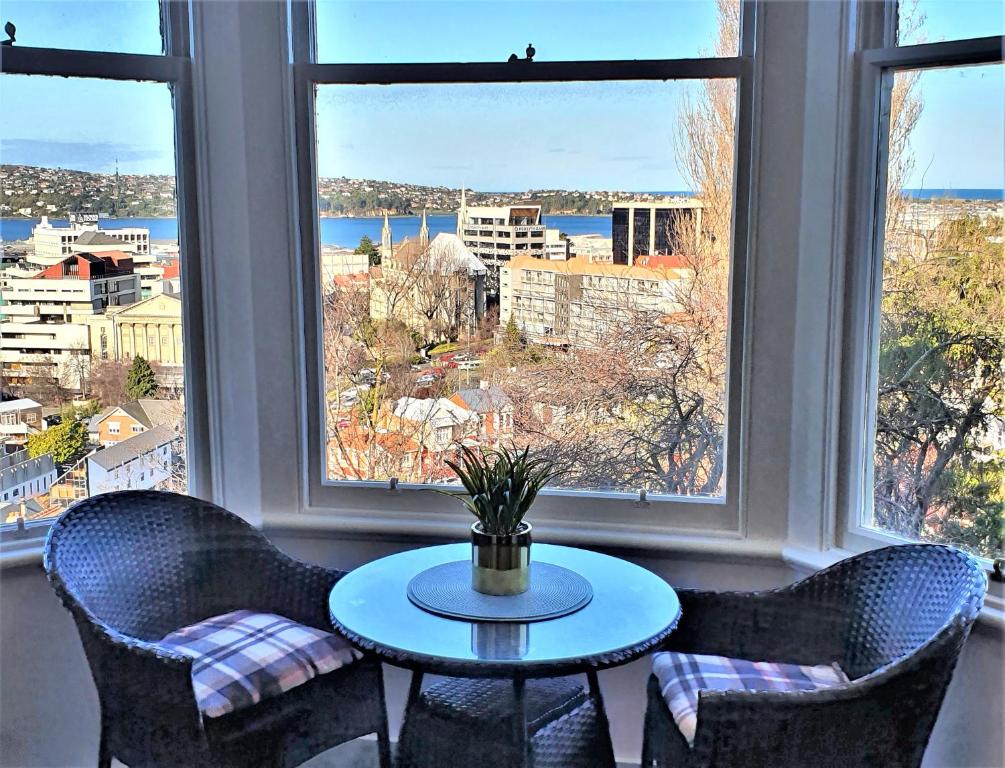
[(895, 620), (132, 566)]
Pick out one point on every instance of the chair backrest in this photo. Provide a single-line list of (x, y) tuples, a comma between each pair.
[(148, 562), (898, 598)]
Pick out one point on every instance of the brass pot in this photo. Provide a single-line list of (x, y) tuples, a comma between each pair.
[(500, 565)]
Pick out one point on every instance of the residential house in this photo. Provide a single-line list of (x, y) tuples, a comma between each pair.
[(493, 408), (139, 462), (121, 422)]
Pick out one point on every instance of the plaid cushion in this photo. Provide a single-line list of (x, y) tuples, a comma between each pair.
[(243, 657), (683, 675)]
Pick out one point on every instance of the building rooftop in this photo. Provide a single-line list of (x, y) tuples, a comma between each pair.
[(12, 406), (147, 411), (580, 266), (484, 400), (133, 448)]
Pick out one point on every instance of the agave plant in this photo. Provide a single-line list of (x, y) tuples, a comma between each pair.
[(501, 485)]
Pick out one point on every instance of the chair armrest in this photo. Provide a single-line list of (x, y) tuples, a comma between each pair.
[(297, 590), (882, 720), (784, 625)]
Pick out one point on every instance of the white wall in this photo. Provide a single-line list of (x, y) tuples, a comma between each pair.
[(48, 706)]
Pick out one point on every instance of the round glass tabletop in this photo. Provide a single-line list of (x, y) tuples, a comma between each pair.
[(632, 610)]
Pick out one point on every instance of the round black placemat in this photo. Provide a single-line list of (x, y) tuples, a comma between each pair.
[(446, 590)]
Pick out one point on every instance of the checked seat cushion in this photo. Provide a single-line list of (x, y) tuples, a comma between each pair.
[(243, 657), (682, 676)]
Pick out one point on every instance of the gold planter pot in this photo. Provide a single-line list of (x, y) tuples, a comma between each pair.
[(500, 565)]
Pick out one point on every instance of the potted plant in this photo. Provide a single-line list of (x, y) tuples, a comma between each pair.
[(500, 487)]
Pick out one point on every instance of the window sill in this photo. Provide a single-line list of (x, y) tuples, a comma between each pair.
[(639, 537)]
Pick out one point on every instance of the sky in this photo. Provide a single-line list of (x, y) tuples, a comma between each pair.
[(491, 137)]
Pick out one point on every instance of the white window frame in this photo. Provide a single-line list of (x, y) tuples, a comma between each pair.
[(876, 61), (392, 506), (173, 68)]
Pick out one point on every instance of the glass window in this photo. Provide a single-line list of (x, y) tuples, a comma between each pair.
[(418, 31), (934, 21), (640, 384), (121, 26), (65, 185), (939, 461)]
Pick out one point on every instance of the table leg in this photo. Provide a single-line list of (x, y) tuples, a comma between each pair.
[(521, 743), (414, 689), (603, 726)]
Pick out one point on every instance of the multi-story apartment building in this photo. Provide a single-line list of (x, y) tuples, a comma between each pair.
[(496, 234), (654, 229), (52, 243), (576, 302), (44, 334)]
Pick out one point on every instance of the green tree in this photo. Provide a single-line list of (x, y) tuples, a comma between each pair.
[(366, 246), (941, 386), (140, 381), (65, 442)]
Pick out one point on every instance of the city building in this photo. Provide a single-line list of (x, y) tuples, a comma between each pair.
[(650, 229), (22, 477), (138, 463), (151, 329), (592, 248), (149, 269), (52, 243), (496, 234), (435, 287), (44, 336), (576, 302), (341, 262), (118, 423), (556, 248), (19, 419)]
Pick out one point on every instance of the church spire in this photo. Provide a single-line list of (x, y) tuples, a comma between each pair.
[(424, 232), (385, 238)]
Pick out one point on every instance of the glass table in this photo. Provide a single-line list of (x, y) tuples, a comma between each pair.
[(631, 612)]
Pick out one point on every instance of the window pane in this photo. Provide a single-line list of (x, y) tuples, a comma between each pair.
[(573, 297), (121, 26), (479, 30), (90, 295), (933, 21), (940, 434)]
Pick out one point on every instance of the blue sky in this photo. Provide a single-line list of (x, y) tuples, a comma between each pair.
[(588, 136)]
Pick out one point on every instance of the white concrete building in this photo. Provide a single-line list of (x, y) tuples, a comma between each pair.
[(592, 248), (555, 248), (44, 333), (496, 234), (52, 243)]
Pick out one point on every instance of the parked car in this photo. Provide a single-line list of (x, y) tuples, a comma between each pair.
[(426, 379)]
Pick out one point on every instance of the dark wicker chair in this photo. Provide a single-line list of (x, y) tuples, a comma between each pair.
[(132, 566), (895, 619)]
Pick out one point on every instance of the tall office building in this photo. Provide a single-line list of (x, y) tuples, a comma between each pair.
[(654, 229), (496, 234)]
